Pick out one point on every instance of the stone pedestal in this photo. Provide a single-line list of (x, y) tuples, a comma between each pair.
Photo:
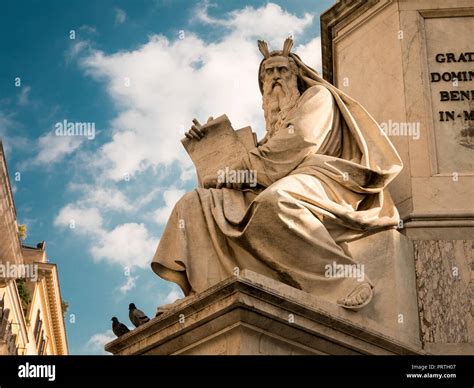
[(388, 262), (406, 62), (250, 315)]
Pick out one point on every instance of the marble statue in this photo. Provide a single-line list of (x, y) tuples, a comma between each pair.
[(321, 172)]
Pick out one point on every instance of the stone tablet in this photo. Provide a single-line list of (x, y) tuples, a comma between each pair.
[(221, 148)]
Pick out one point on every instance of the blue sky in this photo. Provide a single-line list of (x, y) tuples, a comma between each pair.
[(139, 71)]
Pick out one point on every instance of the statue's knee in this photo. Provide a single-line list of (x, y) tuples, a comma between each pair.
[(269, 198)]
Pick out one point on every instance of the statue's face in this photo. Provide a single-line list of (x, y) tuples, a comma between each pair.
[(277, 70), (280, 90)]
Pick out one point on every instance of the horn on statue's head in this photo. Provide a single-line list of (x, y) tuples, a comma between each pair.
[(287, 46), (263, 47)]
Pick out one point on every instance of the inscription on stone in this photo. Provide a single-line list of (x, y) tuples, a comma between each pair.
[(450, 57)]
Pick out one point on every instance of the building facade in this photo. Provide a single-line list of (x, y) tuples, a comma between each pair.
[(31, 307)]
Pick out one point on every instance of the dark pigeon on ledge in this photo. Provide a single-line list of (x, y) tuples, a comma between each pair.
[(137, 317), (118, 327)]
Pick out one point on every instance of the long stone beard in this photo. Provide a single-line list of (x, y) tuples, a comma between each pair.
[(277, 102)]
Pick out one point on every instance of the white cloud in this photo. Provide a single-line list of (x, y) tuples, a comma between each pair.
[(120, 15), (311, 53), (173, 81), (170, 197), (173, 295), (52, 148), (107, 198), (78, 47), (128, 245), (86, 221), (88, 29), (11, 142), (96, 343), (129, 284), (23, 96), (146, 198), (5, 123), (187, 173), (269, 21)]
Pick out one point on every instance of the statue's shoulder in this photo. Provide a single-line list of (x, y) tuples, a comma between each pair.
[(319, 89), (316, 94)]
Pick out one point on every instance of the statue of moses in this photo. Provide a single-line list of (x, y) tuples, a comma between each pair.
[(322, 170)]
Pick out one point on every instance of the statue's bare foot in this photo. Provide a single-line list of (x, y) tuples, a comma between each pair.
[(359, 297)]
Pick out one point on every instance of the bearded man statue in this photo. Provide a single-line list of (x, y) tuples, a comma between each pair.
[(322, 170)]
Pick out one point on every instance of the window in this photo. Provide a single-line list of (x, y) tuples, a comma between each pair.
[(42, 345), (38, 334), (37, 326)]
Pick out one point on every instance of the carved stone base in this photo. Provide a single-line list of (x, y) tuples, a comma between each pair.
[(445, 282), (252, 315), (389, 263)]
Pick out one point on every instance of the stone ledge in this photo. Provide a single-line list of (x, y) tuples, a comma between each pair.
[(252, 314), (465, 348)]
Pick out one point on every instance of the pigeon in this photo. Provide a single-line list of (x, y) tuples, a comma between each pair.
[(118, 328), (137, 317)]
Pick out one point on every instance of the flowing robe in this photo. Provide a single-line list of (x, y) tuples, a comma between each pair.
[(321, 182)]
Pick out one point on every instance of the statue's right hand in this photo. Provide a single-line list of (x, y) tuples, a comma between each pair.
[(196, 131), (213, 182)]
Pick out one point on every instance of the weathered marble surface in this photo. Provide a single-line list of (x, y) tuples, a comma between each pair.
[(445, 282)]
